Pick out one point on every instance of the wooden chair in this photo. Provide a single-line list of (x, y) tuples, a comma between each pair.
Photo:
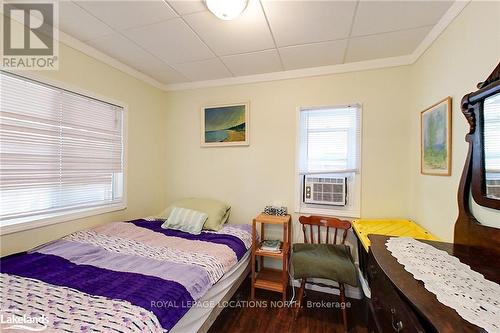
[(314, 259)]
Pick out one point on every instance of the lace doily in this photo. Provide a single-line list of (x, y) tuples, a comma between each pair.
[(455, 284)]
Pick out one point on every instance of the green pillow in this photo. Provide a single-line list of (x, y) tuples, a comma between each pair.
[(186, 220), (217, 211)]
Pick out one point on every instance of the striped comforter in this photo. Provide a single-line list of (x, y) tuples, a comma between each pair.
[(119, 277)]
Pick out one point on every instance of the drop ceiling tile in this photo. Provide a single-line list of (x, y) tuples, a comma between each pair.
[(299, 22), (129, 53), (78, 23), (128, 14), (253, 63), (162, 72), (203, 70), (374, 17), (122, 49), (184, 7), (313, 55), (172, 41), (385, 45), (249, 32)]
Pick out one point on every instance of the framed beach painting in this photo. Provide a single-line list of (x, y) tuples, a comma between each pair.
[(435, 142), (225, 125)]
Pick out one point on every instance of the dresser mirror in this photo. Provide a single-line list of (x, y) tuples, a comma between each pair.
[(491, 125), (481, 174), (482, 110)]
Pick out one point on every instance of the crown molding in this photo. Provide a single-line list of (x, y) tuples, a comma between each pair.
[(92, 52), (98, 55), (452, 12), (455, 9), (448, 17), (296, 73)]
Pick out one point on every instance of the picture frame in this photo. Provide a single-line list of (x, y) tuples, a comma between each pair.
[(225, 125), (435, 139)]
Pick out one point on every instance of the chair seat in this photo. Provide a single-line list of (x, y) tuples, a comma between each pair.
[(327, 261)]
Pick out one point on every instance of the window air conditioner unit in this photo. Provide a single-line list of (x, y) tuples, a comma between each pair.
[(325, 190)]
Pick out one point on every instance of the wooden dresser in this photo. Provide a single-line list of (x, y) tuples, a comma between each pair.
[(399, 303)]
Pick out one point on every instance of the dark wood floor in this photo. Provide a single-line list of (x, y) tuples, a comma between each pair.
[(273, 318)]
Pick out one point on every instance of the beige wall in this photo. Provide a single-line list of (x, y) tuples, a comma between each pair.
[(465, 54), (145, 136), (167, 125), (251, 177)]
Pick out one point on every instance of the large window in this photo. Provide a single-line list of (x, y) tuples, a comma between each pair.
[(60, 153), (329, 152)]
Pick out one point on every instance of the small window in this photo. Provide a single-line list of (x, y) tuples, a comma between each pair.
[(329, 159), (60, 151)]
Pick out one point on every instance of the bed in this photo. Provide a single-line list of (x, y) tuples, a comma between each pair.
[(127, 277)]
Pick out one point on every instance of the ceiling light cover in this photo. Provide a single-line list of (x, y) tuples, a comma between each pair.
[(226, 9)]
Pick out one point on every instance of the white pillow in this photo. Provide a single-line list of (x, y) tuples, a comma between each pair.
[(187, 220), (218, 211)]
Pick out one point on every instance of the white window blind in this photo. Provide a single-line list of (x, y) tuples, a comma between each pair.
[(330, 139), (59, 150)]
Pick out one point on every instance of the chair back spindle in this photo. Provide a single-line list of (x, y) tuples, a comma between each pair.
[(324, 222)]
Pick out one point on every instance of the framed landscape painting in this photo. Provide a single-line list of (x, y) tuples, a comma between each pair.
[(436, 139), (225, 125)]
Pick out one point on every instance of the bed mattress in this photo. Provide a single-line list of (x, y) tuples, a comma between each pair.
[(216, 298)]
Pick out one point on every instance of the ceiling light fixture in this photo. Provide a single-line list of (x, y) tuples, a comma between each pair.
[(226, 9)]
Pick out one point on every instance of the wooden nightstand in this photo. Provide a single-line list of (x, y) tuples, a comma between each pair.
[(269, 278)]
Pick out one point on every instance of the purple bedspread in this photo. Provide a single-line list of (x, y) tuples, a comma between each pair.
[(150, 275)]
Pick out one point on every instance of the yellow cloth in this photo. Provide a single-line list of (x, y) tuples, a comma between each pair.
[(388, 227)]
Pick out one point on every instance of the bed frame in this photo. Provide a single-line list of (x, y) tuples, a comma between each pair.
[(217, 310)]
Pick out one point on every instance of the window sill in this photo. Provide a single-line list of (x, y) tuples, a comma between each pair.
[(22, 224), (328, 212)]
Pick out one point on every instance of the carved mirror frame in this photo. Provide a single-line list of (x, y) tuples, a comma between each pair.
[(468, 230)]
